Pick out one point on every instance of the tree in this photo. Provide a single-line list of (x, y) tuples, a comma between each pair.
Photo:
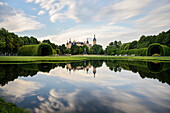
[(74, 49), (133, 45), (125, 46), (67, 51), (33, 40), (48, 42), (96, 49), (87, 49), (111, 50), (58, 51), (101, 51), (113, 47), (81, 50), (62, 48)]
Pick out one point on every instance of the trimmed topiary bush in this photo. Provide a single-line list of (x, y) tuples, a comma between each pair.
[(137, 52), (156, 48), (36, 50)]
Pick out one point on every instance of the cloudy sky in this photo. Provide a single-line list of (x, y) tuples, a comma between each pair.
[(60, 20)]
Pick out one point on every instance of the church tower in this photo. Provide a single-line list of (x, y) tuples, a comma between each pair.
[(94, 40)]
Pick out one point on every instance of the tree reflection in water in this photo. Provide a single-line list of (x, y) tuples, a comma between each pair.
[(156, 70)]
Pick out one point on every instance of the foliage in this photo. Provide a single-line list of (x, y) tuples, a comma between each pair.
[(96, 49), (133, 45), (96, 63), (158, 71), (10, 107), (10, 42), (74, 50), (58, 51), (111, 50), (161, 49), (62, 48), (116, 44), (144, 41), (48, 42), (113, 47), (125, 46), (87, 49), (136, 52), (36, 50)]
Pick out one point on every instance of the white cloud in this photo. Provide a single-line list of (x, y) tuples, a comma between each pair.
[(122, 11), (16, 20), (1, 3), (53, 102), (20, 89), (41, 12), (91, 11), (34, 9), (124, 20), (29, 0), (40, 98), (108, 85), (155, 20), (104, 34)]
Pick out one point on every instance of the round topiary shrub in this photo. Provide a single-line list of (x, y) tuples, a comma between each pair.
[(36, 50), (156, 48)]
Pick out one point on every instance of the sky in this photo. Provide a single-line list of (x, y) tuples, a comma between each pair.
[(109, 20)]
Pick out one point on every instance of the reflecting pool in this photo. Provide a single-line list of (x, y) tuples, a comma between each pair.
[(88, 86)]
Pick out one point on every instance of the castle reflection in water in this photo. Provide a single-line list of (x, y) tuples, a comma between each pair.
[(78, 68)]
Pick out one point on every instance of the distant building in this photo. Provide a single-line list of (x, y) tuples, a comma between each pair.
[(69, 44)]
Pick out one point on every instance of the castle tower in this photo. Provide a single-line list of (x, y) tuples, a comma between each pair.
[(94, 40), (67, 44), (87, 43)]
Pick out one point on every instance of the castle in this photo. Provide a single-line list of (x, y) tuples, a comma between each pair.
[(69, 44)]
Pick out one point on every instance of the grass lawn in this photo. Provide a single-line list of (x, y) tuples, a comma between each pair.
[(80, 58)]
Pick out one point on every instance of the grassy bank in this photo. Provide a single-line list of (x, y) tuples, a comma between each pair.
[(79, 58), (10, 108)]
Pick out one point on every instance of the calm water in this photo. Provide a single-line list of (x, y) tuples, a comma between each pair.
[(88, 87)]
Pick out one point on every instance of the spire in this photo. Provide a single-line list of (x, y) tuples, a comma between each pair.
[(87, 41), (94, 38)]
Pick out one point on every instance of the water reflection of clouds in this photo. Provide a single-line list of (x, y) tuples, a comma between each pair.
[(60, 101), (95, 101), (103, 77), (119, 92), (108, 92), (19, 89)]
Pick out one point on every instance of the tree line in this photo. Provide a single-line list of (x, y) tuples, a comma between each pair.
[(144, 41), (10, 44)]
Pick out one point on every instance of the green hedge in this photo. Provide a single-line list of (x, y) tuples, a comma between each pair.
[(154, 48), (36, 50), (164, 50), (137, 52)]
